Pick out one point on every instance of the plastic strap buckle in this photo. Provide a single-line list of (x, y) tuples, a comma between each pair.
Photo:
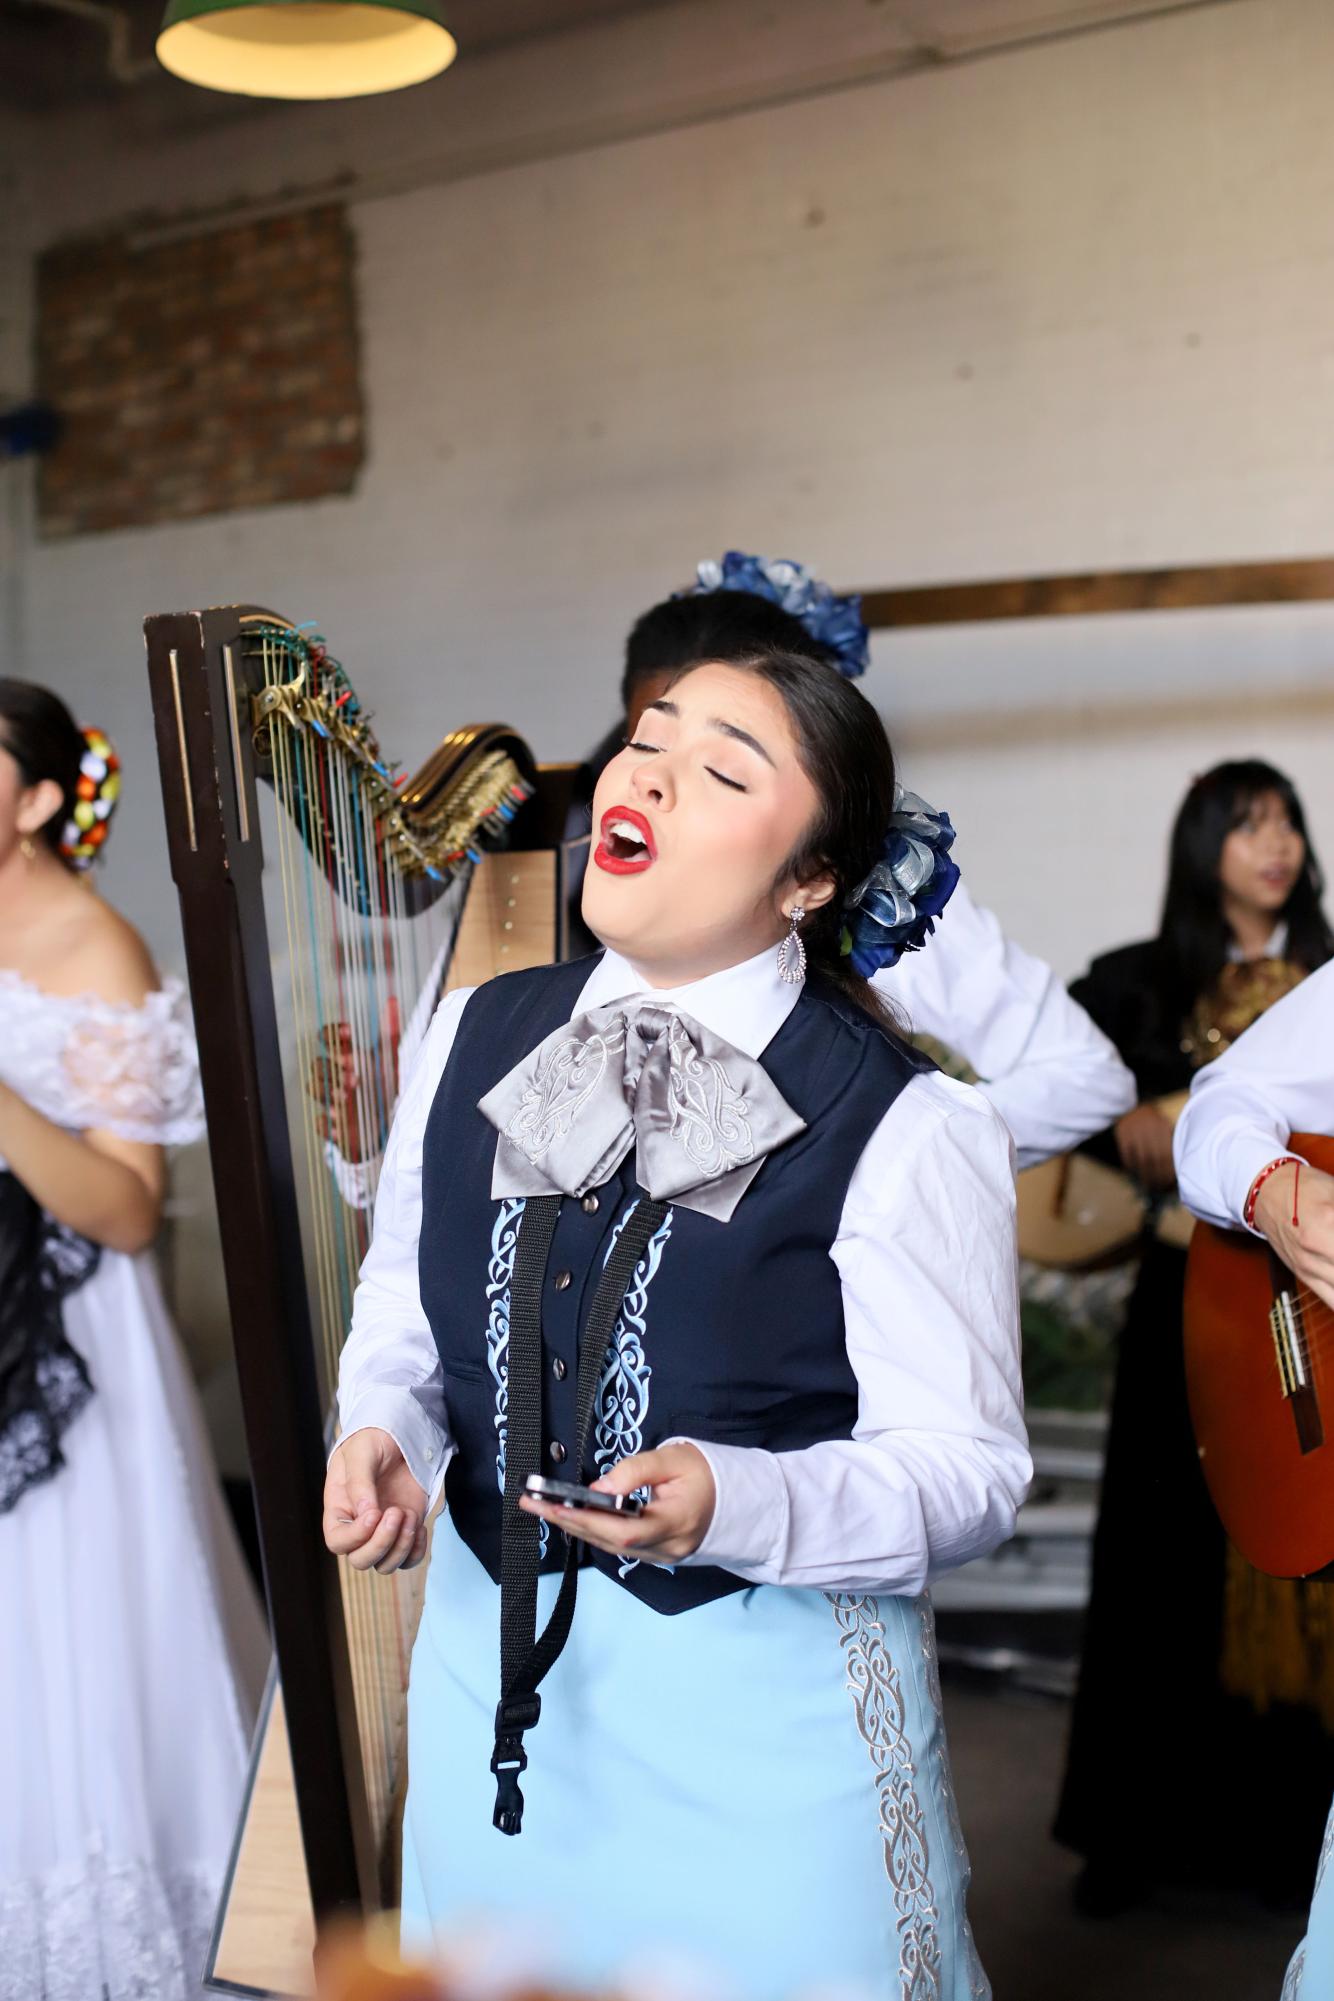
[(514, 1715)]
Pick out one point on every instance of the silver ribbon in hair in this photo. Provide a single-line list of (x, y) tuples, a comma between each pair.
[(700, 1114)]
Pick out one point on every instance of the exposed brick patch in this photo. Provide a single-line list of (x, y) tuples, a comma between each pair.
[(201, 375)]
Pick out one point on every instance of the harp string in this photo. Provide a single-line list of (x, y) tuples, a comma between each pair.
[(368, 954), (356, 959)]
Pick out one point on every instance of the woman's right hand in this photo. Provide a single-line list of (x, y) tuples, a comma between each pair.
[(374, 1510), (1144, 1141)]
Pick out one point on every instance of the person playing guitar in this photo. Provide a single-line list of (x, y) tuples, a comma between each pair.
[(1241, 925), (1235, 1169)]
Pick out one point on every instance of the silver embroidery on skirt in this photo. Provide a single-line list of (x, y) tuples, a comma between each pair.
[(979, 1987), (877, 1692), (1292, 1984), (1326, 1850)]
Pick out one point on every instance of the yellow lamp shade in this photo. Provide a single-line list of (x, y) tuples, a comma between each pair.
[(304, 48)]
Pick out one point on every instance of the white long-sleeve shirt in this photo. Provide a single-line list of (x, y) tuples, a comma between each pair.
[(938, 1462), (1051, 1074), (1276, 1079)]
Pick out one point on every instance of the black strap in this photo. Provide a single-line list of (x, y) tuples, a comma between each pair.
[(525, 1659)]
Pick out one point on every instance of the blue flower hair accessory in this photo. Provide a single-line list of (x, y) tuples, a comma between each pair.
[(895, 909), (835, 621)]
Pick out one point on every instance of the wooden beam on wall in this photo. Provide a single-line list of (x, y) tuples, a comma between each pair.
[(1300, 582)]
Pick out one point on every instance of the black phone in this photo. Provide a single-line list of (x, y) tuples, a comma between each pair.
[(567, 1494)]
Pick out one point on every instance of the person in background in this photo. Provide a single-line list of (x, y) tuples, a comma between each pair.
[(1051, 1074), (132, 1648), (1235, 1170), (1242, 925)]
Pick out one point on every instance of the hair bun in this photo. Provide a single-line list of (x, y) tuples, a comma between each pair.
[(96, 793)]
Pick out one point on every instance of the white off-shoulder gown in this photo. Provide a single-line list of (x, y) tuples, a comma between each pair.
[(131, 1643)]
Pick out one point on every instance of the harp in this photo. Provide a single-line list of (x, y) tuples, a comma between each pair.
[(383, 889)]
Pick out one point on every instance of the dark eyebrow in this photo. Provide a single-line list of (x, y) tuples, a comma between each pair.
[(667, 708), (740, 736)]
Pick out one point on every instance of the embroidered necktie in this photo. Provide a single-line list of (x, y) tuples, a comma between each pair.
[(700, 1114)]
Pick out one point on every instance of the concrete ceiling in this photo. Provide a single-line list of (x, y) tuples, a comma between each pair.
[(57, 54), (51, 59)]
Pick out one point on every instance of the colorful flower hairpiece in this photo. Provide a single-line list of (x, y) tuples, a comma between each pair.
[(836, 622), (95, 797), (894, 910)]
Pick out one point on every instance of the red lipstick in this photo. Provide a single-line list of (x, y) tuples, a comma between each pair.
[(627, 846)]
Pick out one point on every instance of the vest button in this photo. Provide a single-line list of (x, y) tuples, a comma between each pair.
[(557, 1453), (558, 1369), (590, 1205), (562, 1280)]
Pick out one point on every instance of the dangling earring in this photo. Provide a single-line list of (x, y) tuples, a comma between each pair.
[(792, 953), (27, 850)]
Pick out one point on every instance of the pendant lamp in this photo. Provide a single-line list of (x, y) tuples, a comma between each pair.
[(304, 48)]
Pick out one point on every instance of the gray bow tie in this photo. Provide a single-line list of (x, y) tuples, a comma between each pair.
[(700, 1114)]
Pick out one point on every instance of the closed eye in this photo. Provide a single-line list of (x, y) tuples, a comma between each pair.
[(735, 783), (632, 743)]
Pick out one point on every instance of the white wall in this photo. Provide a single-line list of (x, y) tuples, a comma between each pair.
[(1067, 308), (1061, 309)]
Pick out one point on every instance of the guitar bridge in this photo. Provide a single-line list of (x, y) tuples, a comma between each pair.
[(1287, 1331), (1285, 1327)]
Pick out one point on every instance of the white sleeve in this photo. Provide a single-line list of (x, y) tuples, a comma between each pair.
[(389, 1375), (1051, 1074), (1276, 1079), (938, 1463)]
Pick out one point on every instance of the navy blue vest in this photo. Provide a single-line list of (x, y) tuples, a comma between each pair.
[(731, 1333)]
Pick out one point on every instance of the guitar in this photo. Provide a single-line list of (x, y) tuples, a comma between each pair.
[(1260, 1375), (1078, 1214)]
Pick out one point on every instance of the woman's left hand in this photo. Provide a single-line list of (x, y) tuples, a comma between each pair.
[(672, 1526)]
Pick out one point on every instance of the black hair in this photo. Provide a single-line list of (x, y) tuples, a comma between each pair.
[(43, 738), (844, 750), (731, 626), (1194, 936)]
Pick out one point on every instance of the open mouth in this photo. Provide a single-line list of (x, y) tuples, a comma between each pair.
[(627, 846)]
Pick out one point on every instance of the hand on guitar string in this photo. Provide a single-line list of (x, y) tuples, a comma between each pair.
[(1306, 1246), (1144, 1141), (672, 1526), (374, 1510)]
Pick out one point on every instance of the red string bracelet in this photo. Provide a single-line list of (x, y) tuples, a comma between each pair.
[(1284, 1160)]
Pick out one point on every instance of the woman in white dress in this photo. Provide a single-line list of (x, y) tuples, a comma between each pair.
[(131, 1644)]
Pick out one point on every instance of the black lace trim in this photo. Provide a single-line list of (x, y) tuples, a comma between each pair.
[(44, 1382)]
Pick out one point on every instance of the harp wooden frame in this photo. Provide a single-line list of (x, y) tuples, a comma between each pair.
[(204, 729)]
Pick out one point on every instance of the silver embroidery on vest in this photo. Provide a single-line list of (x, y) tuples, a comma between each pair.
[(499, 1273), (623, 1393), (877, 1692)]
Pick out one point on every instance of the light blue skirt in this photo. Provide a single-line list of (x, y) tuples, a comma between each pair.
[(750, 1800), (1312, 1970)]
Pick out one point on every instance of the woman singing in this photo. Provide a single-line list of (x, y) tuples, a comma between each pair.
[(1228, 1680), (131, 1646), (684, 1224)]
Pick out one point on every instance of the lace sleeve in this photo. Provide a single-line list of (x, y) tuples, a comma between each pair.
[(134, 1071)]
